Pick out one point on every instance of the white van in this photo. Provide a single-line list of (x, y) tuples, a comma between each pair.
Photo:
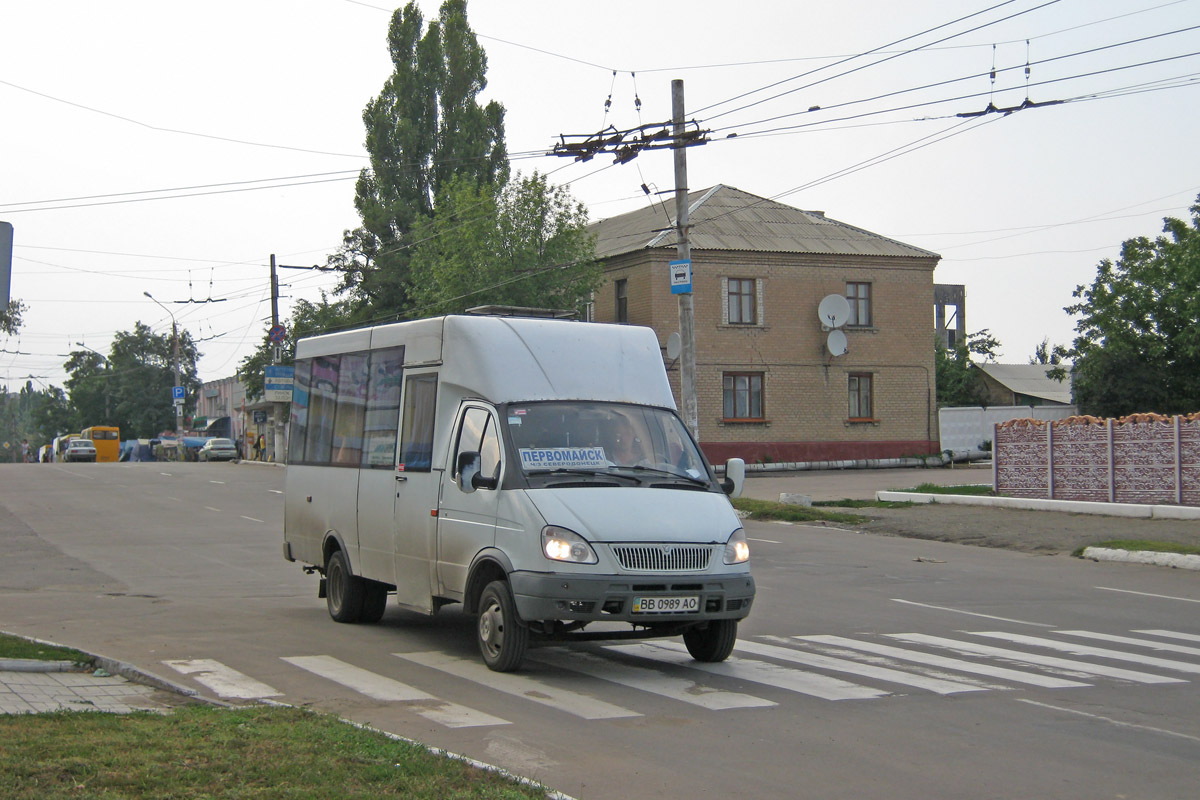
[(533, 470)]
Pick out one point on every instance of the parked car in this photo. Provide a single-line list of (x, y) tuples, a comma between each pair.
[(218, 450), (80, 450)]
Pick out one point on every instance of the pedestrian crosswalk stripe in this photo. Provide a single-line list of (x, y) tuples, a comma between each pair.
[(1024, 657), (380, 687), (886, 674), (1085, 650), (646, 680), (1187, 637), (520, 685), (222, 680), (793, 680), (1150, 643), (945, 662)]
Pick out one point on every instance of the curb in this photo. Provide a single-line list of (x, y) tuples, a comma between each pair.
[(1036, 504), (34, 665), (1176, 560)]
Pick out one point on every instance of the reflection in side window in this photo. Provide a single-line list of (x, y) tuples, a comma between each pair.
[(479, 435), (322, 403), (299, 411), (416, 436), (383, 408), (351, 409)]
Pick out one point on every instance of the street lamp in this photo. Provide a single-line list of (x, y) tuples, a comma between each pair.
[(175, 341), (107, 388)]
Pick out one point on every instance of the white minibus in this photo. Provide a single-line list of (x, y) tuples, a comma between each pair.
[(533, 470)]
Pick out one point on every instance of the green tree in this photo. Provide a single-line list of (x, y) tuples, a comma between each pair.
[(52, 415), (89, 388), (10, 317), (1052, 356), (1138, 343), (139, 377), (526, 245), (959, 381), (423, 129)]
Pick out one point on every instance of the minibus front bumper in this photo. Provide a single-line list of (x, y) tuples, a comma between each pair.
[(641, 600)]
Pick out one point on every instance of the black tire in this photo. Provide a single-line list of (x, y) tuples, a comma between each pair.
[(501, 636), (374, 601), (343, 590), (713, 642)]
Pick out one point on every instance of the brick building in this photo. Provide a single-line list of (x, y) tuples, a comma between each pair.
[(769, 388)]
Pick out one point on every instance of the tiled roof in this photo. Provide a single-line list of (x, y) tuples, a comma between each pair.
[(725, 218)]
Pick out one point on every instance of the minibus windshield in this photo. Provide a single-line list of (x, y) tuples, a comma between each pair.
[(584, 438)]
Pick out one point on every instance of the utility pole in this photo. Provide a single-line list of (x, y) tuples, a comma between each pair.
[(277, 414), (687, 332)]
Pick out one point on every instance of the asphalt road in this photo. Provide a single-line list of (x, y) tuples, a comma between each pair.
[(871, 666)]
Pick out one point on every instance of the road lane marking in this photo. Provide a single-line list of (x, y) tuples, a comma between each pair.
[(380, 687), (768, 541), (523, 686), (781, 677), (972, 613), (945, 662), (224, 681), (1023, 657), (1147, 594), (210, 508), (1164, 646), (1087, 650), (219, 483), (1111, 721), (647, 680), (886, 674), (252, 519), (1187, 637)]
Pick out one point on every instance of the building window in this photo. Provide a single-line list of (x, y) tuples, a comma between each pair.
[(742, 300), (860, 397), (743, 395), (859, 297), (622, 300)]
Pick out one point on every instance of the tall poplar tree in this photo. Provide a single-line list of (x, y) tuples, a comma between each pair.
[(425, 128)]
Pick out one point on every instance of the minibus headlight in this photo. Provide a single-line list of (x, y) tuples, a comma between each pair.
[(737, 551), (560, 544)]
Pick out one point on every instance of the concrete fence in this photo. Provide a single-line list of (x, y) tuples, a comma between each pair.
[(1142, 458)]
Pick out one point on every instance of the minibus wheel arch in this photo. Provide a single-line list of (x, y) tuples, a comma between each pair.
[(487, 567)]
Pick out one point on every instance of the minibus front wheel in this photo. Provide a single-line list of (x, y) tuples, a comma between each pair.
[(502, 638), (712, 642)]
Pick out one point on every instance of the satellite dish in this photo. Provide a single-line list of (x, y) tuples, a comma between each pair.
[(836, 343), (833, 311), (674, 345)]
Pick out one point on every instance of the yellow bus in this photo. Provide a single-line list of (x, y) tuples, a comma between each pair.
[(59, 445), (107, 441)]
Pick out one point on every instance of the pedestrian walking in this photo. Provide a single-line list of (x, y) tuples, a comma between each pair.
[(256, 449), (262, 447)]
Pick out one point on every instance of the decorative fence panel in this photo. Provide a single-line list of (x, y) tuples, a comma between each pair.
[(1142, 458)]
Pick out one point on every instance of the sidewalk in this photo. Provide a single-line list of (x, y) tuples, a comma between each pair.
[(859, 484), (31, 687)]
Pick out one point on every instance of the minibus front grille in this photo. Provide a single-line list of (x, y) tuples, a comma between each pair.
[(662, 557)]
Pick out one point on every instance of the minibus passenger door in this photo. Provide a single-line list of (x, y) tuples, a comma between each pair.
[(416, 489), (470, 496)]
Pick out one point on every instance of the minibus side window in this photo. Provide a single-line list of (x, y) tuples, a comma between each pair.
[(416, 436), (322, 402), (383, 408), (299, 412), (479, 435), (351, 410)]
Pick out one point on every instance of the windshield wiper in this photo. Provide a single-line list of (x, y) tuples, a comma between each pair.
[(591, 473), (678, 475)]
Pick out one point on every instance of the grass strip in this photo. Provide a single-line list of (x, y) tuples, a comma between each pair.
[(766, 509), (240, 754), (967, 489), (1139, 545), (19, 647)]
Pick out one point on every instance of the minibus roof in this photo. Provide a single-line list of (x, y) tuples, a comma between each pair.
[(517, 359)]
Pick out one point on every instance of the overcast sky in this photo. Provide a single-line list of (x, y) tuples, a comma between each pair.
[(170, 148)]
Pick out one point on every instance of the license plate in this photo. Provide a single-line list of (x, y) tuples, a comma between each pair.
[(666, 605)]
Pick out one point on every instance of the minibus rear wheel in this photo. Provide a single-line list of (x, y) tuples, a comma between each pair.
[(712, 642), (502, 638), (344, 590)]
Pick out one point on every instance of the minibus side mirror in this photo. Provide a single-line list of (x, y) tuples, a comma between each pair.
[(469, 476), (735, 477)]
